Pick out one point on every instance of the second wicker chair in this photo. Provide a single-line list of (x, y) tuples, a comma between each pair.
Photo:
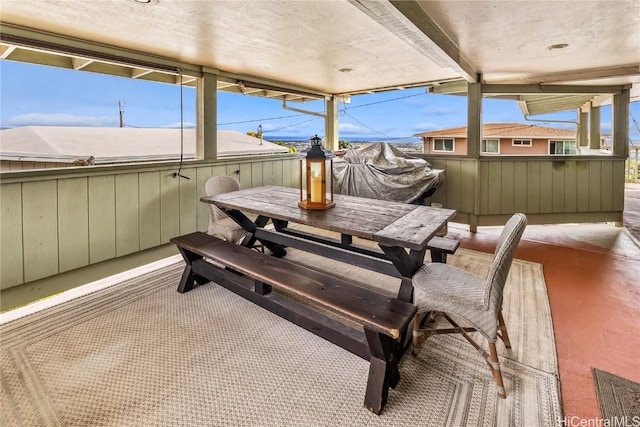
[(453, 292)]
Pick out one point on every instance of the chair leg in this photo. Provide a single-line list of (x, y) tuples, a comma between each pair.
[(491, 359), (497, 373), (504, 336), (416, 334)]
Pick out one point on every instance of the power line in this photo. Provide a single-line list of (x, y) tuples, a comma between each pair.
[(290, 126), (386, 100), (259, 120), (371, 129)]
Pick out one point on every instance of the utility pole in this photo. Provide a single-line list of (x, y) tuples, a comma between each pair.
[(121, 112)]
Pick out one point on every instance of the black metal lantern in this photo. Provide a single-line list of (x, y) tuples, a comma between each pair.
[(316, 177)]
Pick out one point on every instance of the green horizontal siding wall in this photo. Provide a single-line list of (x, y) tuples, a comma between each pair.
[(459, 187), (551, 186), (54, 224), (547, 190)]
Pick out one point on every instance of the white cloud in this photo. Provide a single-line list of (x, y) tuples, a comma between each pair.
[(43, 119), (351, 129)]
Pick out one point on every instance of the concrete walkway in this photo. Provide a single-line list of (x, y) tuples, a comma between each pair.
[(631, 217)]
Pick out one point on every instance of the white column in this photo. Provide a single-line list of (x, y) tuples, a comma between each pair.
[(474, 119), (331, 124), (583, 128), (621, 123), (594, 128), (207, 121)]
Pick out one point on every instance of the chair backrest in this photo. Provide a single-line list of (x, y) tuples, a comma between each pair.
[(502, 259), (218, 185)]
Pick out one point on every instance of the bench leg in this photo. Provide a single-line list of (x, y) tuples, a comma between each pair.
[(438, 256), (383, 370), (189, 278), (261, 288)]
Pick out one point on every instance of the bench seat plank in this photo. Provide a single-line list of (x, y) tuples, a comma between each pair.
[(443, 244), (374, 311)]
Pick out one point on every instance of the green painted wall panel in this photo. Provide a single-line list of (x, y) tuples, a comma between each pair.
[(268, 173), (150, 209), (221, 170), (468, 177), (558, 169), (73, 223), (507, 177), (533, 187), (202, 174), (245, 176), (127, 214), (11, 261), (257, 179), (40, 229), (102, 218), (189, 201), (595, 185), (520, 186), (494, 201), (484, 188), (169, 206), (546, 187), (277, 172), (582, 186), (454, 185), (618, 186), (570, 187), (288, 173), (607, 186)]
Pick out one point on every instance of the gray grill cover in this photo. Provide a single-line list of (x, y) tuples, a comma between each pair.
[(381, 171)]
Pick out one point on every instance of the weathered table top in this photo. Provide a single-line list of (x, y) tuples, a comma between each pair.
[(387, 223)]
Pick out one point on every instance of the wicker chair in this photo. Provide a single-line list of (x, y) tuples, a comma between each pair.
[(220, 225), (447, 290)]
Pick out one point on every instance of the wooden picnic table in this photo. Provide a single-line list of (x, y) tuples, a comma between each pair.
[(402, 231)]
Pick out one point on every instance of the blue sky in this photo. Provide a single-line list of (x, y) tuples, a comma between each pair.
[(45, 96)]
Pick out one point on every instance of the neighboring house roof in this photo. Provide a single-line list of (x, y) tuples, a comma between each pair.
[(108, 145), (504, 130)]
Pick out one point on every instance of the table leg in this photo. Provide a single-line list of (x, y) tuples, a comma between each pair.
[(251, 227), (383, 370), (406, 264)]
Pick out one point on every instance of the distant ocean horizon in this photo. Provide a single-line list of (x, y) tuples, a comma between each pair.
[(364, 139)]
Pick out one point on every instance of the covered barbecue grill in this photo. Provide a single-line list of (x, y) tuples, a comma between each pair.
[(381, 171)]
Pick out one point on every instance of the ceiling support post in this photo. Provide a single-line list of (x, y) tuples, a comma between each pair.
[(207, 121), (621, 123), (594, 127), (331, 124), (474, 119), (583, 128)]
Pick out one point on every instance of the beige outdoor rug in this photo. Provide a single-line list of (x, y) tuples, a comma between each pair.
[(140, 354)]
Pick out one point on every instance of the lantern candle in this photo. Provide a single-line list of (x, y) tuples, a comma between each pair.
[(316, 189)]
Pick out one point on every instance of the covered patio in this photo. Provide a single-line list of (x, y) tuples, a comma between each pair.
[(584, 55)]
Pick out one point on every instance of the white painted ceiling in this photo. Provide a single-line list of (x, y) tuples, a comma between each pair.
[(385, 44)]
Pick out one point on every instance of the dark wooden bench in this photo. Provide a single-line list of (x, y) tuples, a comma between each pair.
[(254, 275), (440, 247)]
